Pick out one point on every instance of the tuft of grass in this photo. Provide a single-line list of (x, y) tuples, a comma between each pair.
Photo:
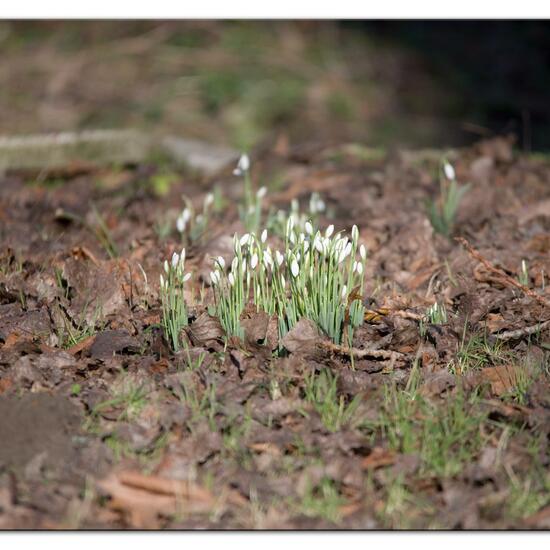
[(322, 501), (322, 392), (479, 352)]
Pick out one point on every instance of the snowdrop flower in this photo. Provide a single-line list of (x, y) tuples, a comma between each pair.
[(306, 246), (344, 253), (166, 267), (244, 266), (363, 252), (318, 244), (161, 281), (234, 264), (449, 171), (242, 166), (268, 260), (180, 224), (292, 238), (360, 268), (344, 292), (355, 233), (175, 259), (354, 268), (283, 282), (245, 239), (279, 257), (215, 277), (186, 277), (221, 261), (329, 231), (208, 200), (290, 224), (231, 279), (263, 236), (295, 268), (309, 228), (254, 261), (261, 193)]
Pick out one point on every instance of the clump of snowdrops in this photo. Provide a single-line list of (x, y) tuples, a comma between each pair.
[(174, 311), (318, 276)]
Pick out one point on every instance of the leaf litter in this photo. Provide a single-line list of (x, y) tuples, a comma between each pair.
[(414, 424)]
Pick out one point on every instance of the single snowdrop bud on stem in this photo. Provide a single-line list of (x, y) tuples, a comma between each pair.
[(295, 268), (161, 281), (242, 166), (329, 231), (186, 277), (355, 233), (231, 279), (360, 268), (214, 277), (175, 259), (449, 171), (363, 252), (221, 261), (263, 236), (208, 199), (254, 261), (261, 193), (309, 228), (279, 257), (166, 267), (245, 239), (344, 292)]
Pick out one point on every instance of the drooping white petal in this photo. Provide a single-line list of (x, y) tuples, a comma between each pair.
[(186, 277), (175, 259), (295, 268), (363, 252), (245, 239), (231, 279), (166, 267), (309, 228), (279, 257), (263, 236), (221, 261), (329, 231), (254, 261), (450, 173), (360, 268)]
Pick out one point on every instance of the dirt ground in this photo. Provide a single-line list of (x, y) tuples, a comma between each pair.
[(432, 426)]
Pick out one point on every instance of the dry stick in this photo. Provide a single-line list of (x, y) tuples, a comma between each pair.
[(518, 333), (501, 274), (362, 353)]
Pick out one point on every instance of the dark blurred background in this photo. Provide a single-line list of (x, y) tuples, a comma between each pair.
[(383, 83)]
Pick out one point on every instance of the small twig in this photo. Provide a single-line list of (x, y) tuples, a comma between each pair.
[(362, 353), (501, 274), (520, 332)]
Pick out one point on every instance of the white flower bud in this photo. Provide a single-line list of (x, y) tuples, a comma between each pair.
[(161, 281), (355, 233), (175, 259), (186, 277), (283, 282), (254, 261), (360, 268), (260, 194), (354, 268), (279, 257), (180, 224), (245, 239), (263, 236), (318, 244), (329, 231), (221, 261), (231, 279), (242, 166), (215, 277), (166, 267), (363, 252), (309, 228), (186, 215), (234, 264), (344, 292), (449, 171), (208, 199), (295, 268)]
